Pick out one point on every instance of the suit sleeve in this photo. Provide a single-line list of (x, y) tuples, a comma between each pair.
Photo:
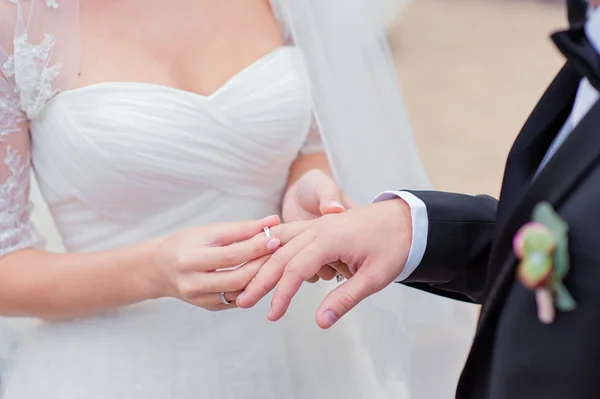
[(460, 233)]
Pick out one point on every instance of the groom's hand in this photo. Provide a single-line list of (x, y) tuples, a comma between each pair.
[(315, 194), (373, 241)]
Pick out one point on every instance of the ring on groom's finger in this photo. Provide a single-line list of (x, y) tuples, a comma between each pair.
[(224, 300), (267, 231)]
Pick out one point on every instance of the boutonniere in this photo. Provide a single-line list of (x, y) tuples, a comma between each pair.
[(543, 251)]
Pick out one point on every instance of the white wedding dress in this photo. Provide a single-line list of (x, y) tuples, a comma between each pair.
[(119, 163)]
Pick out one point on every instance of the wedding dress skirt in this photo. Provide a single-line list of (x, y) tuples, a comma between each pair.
[(120, 163)]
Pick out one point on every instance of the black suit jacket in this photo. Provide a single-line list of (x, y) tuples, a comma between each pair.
[(576, 11), (469, 257)]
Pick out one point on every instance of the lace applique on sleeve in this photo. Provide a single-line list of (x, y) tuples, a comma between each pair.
[(28, 73), (32, 71), (16, 230), (32, 64), (35, 79)]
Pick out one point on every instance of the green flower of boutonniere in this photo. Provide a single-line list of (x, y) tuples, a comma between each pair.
[(542, 249)]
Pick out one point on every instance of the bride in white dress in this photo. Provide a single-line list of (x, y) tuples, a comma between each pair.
[(146, 123)]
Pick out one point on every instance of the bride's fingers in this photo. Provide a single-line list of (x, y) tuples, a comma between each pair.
[(236, 254), (230, 296), (348, 202), (327, 273), (229, 233), (213, 301), (219, 307), (195, 284), (313, 279), (341, 268), (330, 271)]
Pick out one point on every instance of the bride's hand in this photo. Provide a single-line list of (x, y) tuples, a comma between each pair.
[(314, 195), (188, 263)]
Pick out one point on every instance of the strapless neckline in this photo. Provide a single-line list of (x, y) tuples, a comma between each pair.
[(271, 55), (180, 151)]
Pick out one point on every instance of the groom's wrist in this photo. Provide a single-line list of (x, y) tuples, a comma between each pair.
[(420, 226)]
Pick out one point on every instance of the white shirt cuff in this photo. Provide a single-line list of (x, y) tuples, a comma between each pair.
[(420, 227)]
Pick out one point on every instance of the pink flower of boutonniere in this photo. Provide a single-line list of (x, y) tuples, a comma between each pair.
[(542, 249)]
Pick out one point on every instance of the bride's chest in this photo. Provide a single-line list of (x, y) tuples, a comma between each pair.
[(195, 45), (168, 120)]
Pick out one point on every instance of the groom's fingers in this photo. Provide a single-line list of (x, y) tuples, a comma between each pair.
[(345, 297), (270, 274), (298, 270), (288, 231)]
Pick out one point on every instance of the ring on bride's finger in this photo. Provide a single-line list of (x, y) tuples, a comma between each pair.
[(339, 277), (224, 300), (267, 231)]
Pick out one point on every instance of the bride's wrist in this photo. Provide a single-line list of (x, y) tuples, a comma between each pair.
[(147, 279)]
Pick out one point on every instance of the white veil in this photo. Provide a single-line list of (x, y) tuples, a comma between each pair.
[(357, 102), (412, 336)]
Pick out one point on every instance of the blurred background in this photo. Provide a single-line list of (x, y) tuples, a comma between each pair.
[(471, 72)]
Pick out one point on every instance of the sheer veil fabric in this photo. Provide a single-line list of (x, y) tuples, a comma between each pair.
[(358, 105), (364, 124)]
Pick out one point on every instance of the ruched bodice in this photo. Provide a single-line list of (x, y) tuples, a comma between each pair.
[(139, 160)]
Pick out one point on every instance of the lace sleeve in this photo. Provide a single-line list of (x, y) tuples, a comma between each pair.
[(16, 231), (39, 51)]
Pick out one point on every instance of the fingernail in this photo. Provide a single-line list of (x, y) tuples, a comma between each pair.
[(270, 313), (241, 296), (337, 204), (329, 318), (273, 244)]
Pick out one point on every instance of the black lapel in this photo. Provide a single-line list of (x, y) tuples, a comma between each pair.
[(537, 133), (577, 11), (580, 52), (558, 96), (565, 170)]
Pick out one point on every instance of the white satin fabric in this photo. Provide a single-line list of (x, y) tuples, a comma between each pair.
[(146, 160), (119, 163)]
